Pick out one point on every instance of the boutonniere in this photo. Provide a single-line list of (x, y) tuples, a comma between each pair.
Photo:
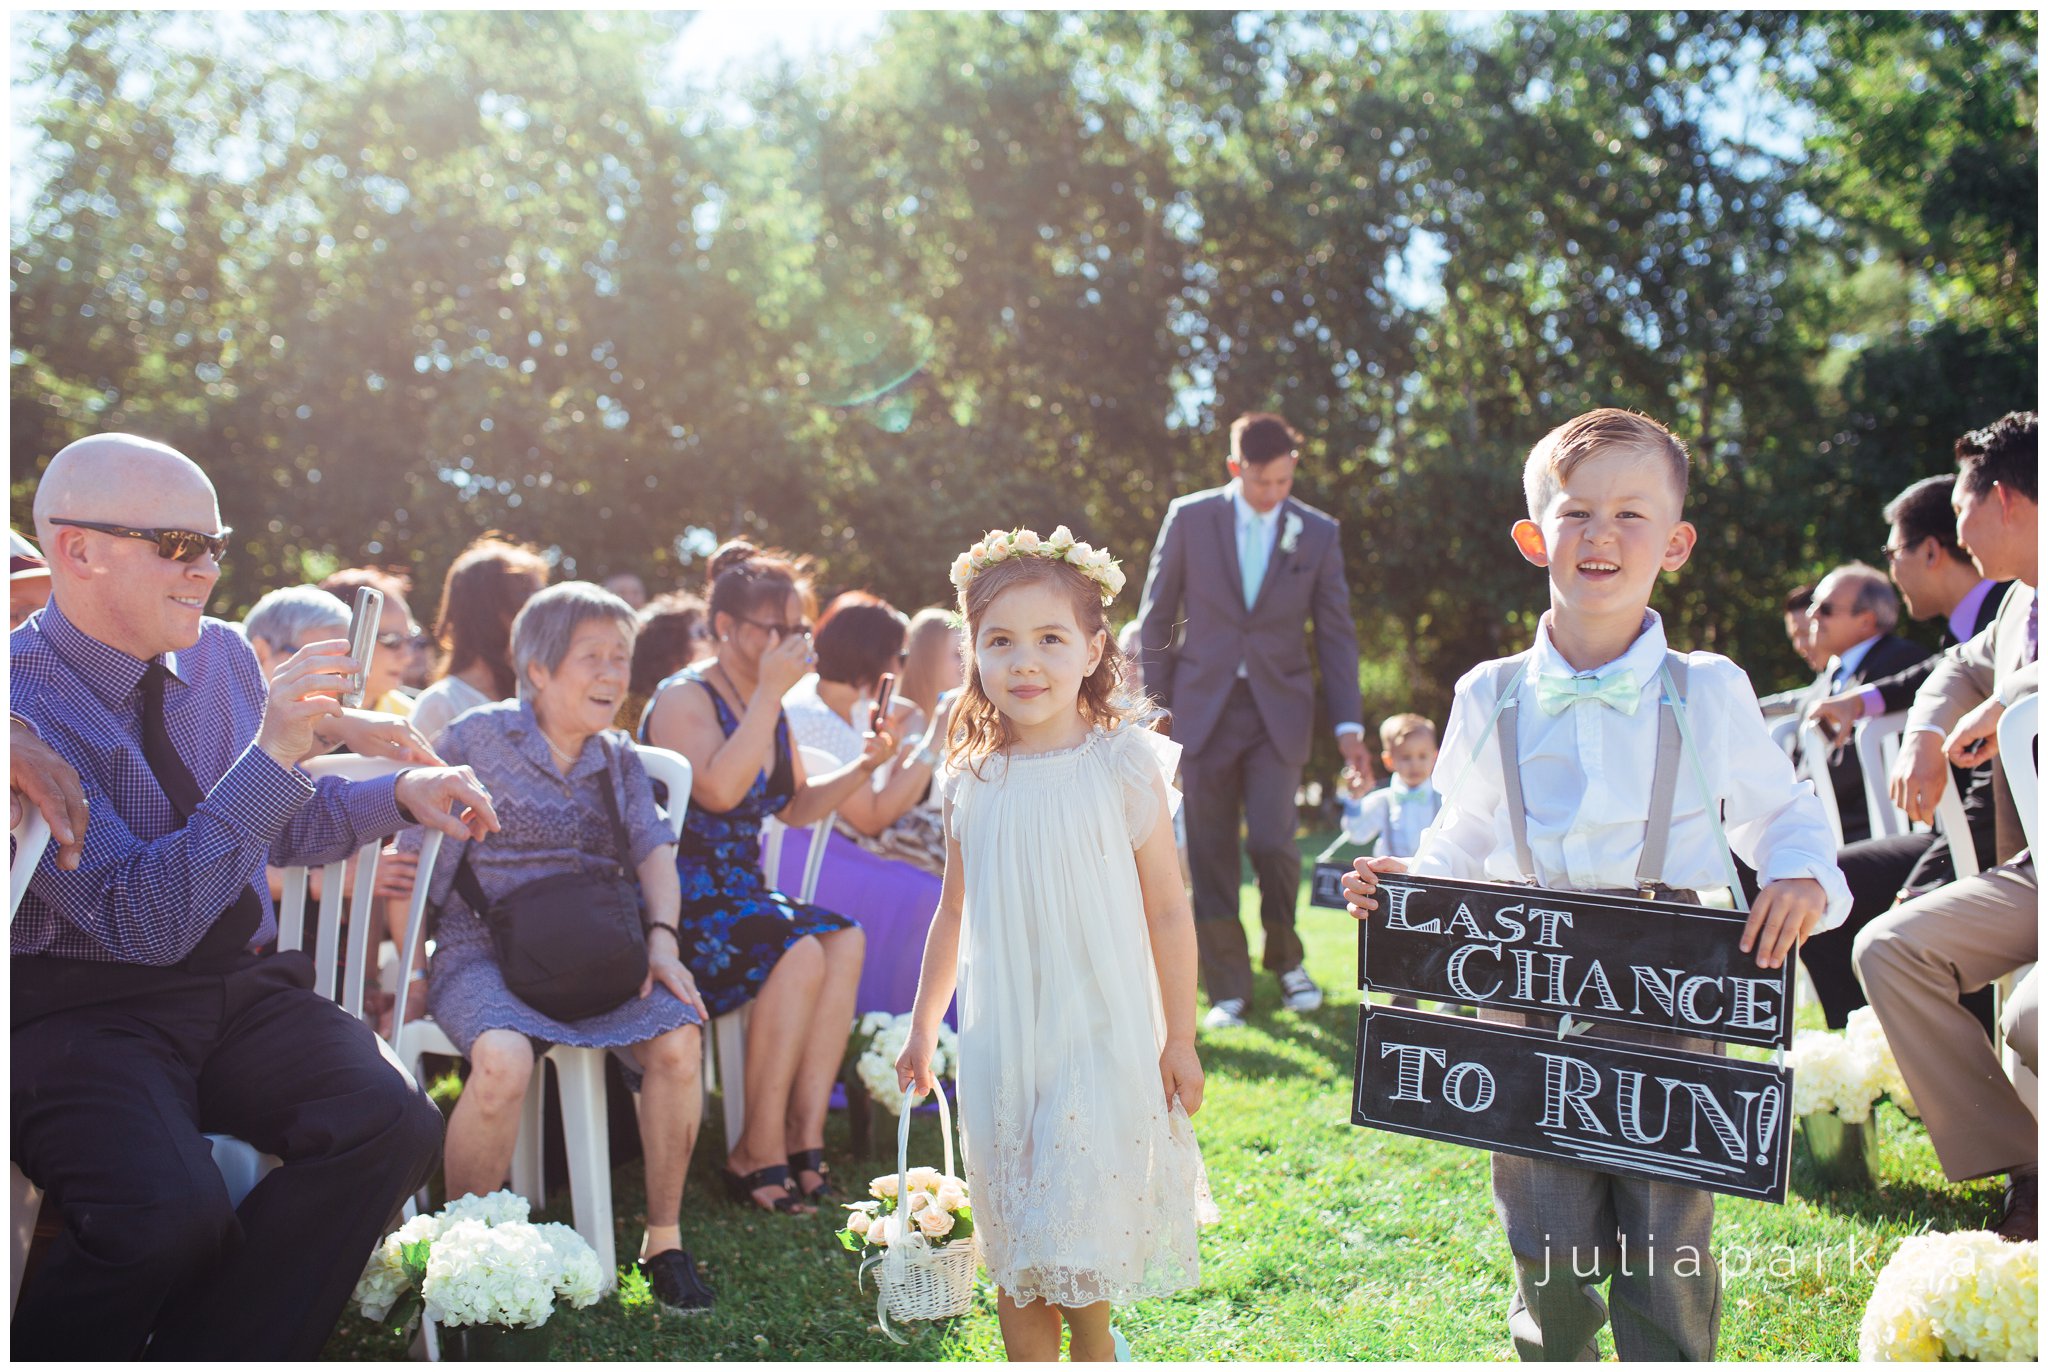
[(1290, 533)]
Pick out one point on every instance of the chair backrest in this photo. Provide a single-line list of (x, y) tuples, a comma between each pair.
[(1877, 743), (670, 769), (366, 924), (1954, 823), (1785, 733), (31, 837), (816, 761), (1813, 765), (2018, 730)]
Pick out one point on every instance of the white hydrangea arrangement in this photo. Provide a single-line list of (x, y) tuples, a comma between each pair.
[(878, 1039), (1845, 1073), (1943, 1297), (478, 1261), (938, 1206)]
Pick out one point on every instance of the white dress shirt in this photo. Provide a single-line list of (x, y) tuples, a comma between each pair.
[(1586, 785), (1392, 817), (1848, 662)]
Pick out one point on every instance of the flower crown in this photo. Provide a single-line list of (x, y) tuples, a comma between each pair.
[(1094, 563)]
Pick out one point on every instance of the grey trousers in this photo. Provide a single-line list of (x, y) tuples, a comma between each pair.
[(1238, 766), (1572, 1230)]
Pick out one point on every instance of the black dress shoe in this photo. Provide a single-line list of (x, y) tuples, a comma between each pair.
[(2016, 1224), (672, 1277)]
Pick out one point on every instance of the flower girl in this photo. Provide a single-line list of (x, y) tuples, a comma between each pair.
[(1064, 923)]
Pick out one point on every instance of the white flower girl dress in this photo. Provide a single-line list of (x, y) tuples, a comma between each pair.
[(1086, 1186)]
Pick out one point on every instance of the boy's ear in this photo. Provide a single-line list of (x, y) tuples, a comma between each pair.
[(1679, 549), (1528, 536), (1387, 760)]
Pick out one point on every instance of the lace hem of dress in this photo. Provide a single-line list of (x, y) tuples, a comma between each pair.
[(1076, 1287)]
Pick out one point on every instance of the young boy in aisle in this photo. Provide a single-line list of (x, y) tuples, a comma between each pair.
[(1560, 788), (1394, 816)]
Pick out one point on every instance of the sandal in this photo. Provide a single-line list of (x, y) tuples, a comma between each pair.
[(740, 1190), (812, 1160)]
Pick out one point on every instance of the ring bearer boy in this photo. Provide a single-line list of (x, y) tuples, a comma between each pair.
[(1585, 785)]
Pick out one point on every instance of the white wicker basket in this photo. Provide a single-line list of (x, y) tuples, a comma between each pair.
[(919, 1280)]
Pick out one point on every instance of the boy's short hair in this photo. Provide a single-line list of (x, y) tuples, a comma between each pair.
[(1558, 454), (1398, 729), (2007, 453), (1258, 438)]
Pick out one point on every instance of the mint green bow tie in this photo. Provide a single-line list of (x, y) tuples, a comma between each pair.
[(1614, 687)]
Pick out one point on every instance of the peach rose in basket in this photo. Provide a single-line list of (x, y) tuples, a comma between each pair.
[(923, 1178), (935, 1223), (951, 1195), (883, 1188)]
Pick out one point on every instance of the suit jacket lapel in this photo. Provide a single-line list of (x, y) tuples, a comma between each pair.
[(1226, 533)]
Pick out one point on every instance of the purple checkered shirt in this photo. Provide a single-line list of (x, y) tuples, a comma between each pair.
[(148, 888)]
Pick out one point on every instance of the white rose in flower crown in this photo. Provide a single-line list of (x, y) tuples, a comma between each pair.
[(1098, 560), (1028, 541), (963, 568), (1060, 540), (935, 1223), (978, 556), (999, 546)]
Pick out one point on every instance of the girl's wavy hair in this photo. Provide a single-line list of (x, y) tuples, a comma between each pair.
[(977, 729)]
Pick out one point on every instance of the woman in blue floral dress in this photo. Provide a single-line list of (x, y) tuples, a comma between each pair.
[(799, 966)]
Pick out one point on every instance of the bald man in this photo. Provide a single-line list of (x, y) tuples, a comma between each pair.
[(1852, 616), (142, 1013)]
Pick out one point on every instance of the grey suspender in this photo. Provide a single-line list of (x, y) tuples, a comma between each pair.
[(1663, 779)]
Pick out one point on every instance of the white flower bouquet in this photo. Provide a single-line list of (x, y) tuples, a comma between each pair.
[(878, 1039), (1845, 1074), (478, 1262), (1942, 1297)]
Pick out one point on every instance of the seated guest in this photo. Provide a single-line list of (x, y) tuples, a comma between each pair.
[(673, 634), (559, 774), (859, 638), (798, 965), (385, 691), (28, 579), (142, 1015), (931, 665), (1799, 633), (485, 587), (1917, 960), (289, 618), (1853, 613), (1936, 580)]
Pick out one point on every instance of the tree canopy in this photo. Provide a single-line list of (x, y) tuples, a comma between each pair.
[(398, 279)]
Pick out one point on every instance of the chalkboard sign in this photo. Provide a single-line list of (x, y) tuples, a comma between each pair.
[(1693, 1119), (1655, 964), (1324, 888)]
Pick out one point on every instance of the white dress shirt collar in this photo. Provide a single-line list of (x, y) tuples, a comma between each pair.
[(1851, 659), (1243, 510), (1645, 656)]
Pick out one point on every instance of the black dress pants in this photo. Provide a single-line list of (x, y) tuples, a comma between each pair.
[(117, 1070), (1877, 869), (1239, 771)]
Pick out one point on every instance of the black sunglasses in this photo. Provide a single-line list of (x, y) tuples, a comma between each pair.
[(778, 629), (180, 545)]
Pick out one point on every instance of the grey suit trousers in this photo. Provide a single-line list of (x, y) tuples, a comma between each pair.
[(1571, 1229), (1238, 771)]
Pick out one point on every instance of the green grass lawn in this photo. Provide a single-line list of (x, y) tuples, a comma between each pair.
[(1335, 1243)]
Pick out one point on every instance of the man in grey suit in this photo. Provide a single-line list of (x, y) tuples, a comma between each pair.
[(1236, 574)]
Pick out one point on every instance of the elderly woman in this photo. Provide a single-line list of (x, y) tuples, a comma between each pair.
[(558, 776), (798, 964), (287, 619), (395, 634), (486, 585)]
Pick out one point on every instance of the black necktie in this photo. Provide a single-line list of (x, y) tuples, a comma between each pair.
[(229, 937)]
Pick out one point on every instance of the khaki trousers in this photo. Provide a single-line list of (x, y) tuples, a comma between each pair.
[(1915, 962)]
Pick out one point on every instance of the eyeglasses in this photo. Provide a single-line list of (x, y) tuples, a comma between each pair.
[(1827, 611), (1893, 554), (395, 641), (776, 627), (180, 545)]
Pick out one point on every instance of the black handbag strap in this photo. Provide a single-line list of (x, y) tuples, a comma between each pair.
[(473, 891)]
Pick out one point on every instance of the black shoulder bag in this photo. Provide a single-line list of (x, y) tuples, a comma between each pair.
[(574, 945)]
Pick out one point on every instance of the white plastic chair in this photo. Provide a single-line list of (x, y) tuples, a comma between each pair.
[(1877, 743), (2018, 730), (1785, 732), (1813, 765), (579, 1072), (730, 1029)]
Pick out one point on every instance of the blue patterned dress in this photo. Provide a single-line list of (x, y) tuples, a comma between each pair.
[(735, 926)]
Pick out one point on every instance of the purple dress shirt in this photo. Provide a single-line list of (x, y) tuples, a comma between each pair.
[(148, 887)]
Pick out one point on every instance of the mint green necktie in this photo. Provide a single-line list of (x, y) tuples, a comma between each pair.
[(1615, 687)]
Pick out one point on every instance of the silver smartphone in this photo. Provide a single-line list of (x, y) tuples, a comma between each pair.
[(362, 639)]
